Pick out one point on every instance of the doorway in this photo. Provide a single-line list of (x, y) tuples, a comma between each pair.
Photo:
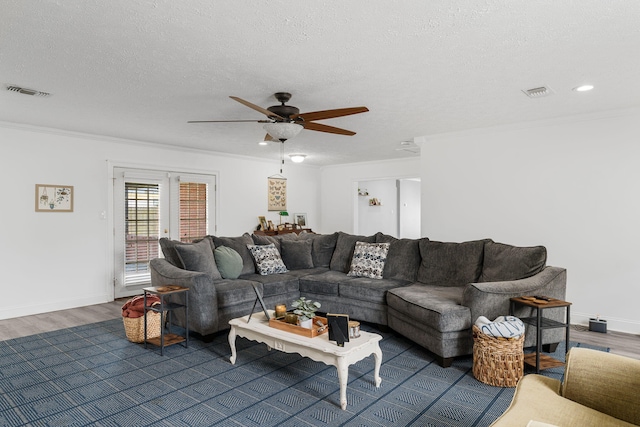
[(148, 205), (390, 206)]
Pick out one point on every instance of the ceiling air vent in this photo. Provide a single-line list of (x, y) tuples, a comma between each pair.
[(26, 91), (538, 92)]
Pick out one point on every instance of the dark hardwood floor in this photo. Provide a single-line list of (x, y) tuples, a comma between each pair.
[(618, 342)]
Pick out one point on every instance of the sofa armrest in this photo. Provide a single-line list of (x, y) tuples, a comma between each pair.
[(491, 299), (606, 382), (203, 297)]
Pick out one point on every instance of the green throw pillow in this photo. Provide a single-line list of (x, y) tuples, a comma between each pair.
[(229, 262)]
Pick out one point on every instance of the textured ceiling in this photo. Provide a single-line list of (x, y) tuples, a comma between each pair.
[(141, 69)]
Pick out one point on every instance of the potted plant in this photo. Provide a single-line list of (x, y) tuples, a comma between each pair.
[(306, 311)]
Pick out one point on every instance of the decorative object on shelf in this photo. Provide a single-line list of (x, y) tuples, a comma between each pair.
[(300, 219), (375, 202), (54, 198), (363, 192), (277, 193), (283, 213), (263, 223), (270, 225), (306, 311)]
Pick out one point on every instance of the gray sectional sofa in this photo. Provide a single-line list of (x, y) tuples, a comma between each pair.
[(431, 292)]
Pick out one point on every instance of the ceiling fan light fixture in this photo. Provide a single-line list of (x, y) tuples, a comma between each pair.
[(583, 88), (282, 131), (297, 158)]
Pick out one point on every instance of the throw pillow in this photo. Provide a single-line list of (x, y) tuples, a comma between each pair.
[(229, 262), (239, 244), (368, 260), (505, 262), (198, 257), (296, 254), (267, 259)]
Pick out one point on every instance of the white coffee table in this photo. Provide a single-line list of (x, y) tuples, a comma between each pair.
[(319, 348)]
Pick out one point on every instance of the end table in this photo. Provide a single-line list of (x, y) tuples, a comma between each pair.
[(537, 359), (166, 307)]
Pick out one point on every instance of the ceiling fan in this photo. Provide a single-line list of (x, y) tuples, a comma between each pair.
[(286, 121)]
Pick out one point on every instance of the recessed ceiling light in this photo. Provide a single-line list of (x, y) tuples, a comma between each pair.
[(583, 88), (263, 143)]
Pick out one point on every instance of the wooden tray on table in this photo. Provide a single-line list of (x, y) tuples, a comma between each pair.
[(279, 323)]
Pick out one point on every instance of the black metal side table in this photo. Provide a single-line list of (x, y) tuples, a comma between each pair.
[(165, 308), (537, 359)]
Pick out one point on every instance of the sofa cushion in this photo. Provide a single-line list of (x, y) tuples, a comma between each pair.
[(267, 259), (345, 245), (437, 307), (323, 283), (239, 244), (275, 284), (229, 262), (168, 247), (323, 247), (265, 240), (296, 254), (450, 264), (368, 289), (198, 257), (403, 259), (368, 260), (505, 262)]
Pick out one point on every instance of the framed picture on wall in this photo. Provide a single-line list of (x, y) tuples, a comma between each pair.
[(300, 219), (54, 198)]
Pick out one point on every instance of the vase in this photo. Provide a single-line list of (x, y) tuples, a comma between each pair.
[(306, 323)]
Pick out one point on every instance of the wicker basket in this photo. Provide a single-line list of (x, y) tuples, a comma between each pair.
[(497, 361), (134, 327)]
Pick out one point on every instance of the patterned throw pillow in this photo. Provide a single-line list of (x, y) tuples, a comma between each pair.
[(267, 259), (368, 260)]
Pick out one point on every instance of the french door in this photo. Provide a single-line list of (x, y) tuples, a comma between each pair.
[(149, 205)]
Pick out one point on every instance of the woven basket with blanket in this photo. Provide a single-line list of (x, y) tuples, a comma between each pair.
[(133, 318)]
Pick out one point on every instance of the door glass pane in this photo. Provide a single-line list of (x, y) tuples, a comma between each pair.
[(142, 226), (193, 211)]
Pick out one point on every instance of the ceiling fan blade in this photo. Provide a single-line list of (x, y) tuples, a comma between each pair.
[(228, 121), (324, 128), (257, 108), (328, 114), (269, 138)]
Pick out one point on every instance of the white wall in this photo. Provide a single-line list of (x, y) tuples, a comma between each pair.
[(572, 186), (382, 217), (409, 208), (52, 261), (338, 192)]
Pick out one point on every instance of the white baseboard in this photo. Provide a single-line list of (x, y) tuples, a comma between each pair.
[(48, 306), (613, 323)]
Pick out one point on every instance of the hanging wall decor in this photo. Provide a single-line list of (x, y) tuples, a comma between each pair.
[(277, 191), (54, 198)]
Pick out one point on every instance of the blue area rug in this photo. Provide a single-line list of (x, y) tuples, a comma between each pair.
[(91, 375)]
